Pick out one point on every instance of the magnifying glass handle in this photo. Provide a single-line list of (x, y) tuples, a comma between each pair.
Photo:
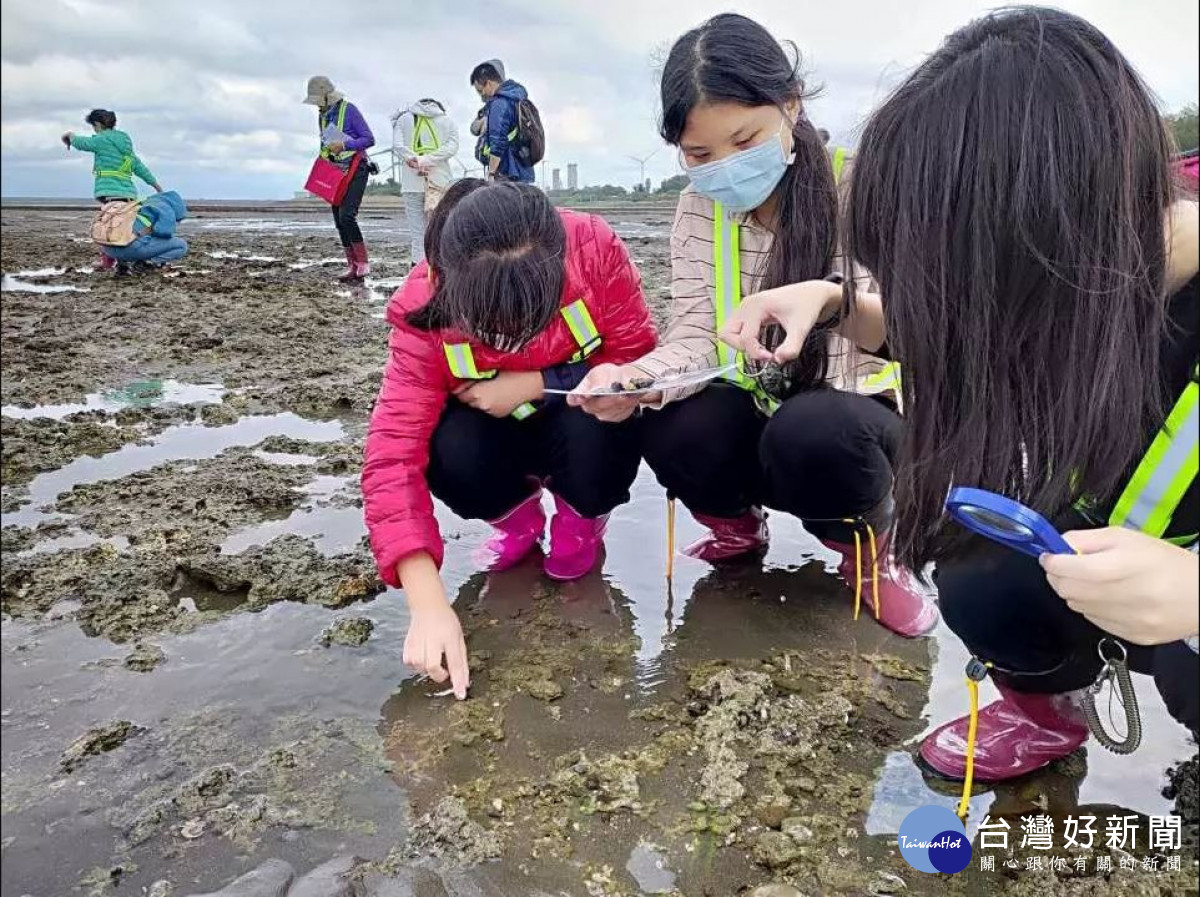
[(1054, 543)]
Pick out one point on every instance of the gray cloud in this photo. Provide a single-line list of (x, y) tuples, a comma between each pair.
[(211, 93)]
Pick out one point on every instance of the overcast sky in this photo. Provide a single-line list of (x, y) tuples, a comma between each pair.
[(211, 91)]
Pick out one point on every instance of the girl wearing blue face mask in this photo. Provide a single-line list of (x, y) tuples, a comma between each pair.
[(815, 437)]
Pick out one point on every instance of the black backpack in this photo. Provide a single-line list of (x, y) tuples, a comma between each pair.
[(529, 146)]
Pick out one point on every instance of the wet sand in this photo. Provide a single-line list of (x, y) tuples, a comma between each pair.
[(182, 528)]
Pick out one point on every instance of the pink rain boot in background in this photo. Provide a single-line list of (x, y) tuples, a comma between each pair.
[(575, 542), (730, 537), (105, 263), (1016, 735), (903, 608), (351, 272), (362, 266), (516, 534)]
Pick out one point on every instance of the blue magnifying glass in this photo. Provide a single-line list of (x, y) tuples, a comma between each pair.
[(1005, 521)]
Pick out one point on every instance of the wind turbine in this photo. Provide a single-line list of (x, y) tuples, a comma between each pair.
[(642, 165)]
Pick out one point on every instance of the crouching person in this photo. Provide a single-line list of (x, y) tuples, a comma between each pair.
[(516, 298), (155, 242)]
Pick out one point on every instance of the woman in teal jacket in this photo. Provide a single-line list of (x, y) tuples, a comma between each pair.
[(116, 163)]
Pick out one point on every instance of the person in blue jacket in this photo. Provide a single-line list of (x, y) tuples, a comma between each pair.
[(156, 242), (501, 97)]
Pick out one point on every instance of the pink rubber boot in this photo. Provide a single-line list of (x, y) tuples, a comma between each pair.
[(105, 263), (516, 534), (575, 542), (351, 273), (362, 266), (1016, 735), (902, 607), (730, 537)]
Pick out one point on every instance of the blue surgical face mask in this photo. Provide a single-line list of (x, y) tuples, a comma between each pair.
[(743, 181)]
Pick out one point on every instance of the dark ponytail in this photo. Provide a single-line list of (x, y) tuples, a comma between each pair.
[(102, 117), (731, 58), (805, 243)]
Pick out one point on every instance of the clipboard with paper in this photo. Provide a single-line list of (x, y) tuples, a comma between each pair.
[(642, 385), (333, 134)]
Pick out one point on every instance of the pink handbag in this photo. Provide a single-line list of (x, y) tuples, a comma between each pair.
[(328, 181), (1187, 168)]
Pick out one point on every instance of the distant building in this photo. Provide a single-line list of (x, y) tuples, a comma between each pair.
[(572, 176), (556, 178)]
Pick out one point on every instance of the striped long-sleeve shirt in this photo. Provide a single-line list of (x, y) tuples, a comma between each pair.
[(690, 343)]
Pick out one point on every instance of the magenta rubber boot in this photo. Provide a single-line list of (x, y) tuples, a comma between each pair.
[(903, 608), (351, 273), (1018, 734), (730, 537), (362, 266), (105, 263), (575, 542), (516, 534)]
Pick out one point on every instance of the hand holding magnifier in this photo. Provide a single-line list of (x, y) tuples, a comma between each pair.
[(1005, 521)]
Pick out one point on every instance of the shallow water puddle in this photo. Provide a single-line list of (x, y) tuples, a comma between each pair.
[(222, 254), (196, 597), (73, 538), (648, 866), (304, 263), (285, 459), (376, 292), (233, 692), (648, 229), (380, 290), (386, 283), (12, 284), (41, 272), (186, 272), (188, 441), (332, 529), (301, 222), (637, 562), (146, 394)]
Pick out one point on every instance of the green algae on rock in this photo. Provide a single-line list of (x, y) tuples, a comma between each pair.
[(348, 631)]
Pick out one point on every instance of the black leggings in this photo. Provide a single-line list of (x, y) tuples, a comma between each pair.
[(824, 456), (999, 603), (484, 466), (345, 215)]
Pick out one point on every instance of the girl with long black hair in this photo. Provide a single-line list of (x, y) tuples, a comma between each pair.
[(817, 437), (1014, 199)]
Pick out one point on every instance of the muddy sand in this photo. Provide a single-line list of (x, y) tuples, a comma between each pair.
[(201, 672)]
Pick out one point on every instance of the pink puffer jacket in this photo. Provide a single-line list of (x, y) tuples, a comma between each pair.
[(417, 382)]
